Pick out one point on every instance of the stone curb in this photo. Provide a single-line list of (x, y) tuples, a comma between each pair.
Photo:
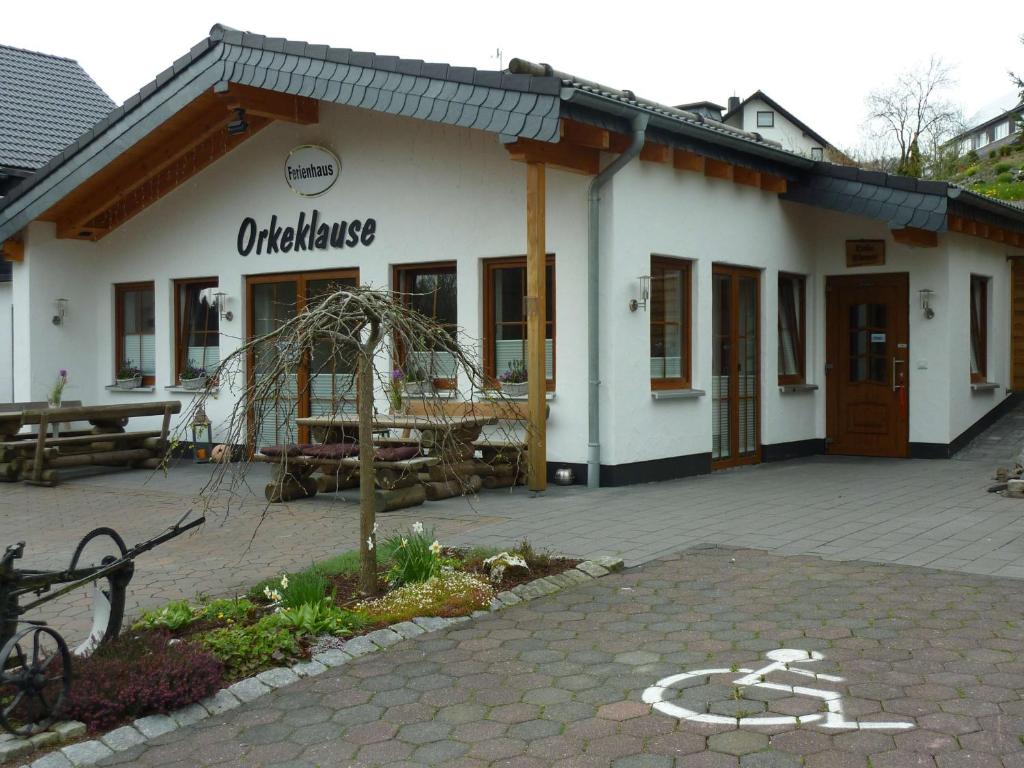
[(88, 753)]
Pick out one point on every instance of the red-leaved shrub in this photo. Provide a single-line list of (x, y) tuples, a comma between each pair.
[(134, 676)]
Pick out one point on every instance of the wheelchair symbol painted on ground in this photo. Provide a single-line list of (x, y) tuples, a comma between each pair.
[(782, 660)]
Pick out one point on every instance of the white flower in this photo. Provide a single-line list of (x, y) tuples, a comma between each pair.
[(404, 544), (417, 527), (374, 526), (284, 581), (369, 543), (436, 547), (272, 594)]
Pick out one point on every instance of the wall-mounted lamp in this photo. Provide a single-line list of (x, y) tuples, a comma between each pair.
[(239, 124), (645, 294), (221, 300), (62, 311), (927, 294)]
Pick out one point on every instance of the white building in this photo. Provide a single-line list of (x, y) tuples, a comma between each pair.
[(793, 307), (761, 114), (994, 125)]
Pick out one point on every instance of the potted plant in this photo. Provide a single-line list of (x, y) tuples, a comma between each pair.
[(395, 392), (514, 379), (416, 382), (129, 376), (53, 399), (193, 377)]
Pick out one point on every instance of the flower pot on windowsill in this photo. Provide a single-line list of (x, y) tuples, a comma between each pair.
[(197, 383), (515, 388), (419, 388), (132, 383)]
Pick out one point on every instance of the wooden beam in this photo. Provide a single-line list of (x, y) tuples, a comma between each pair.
[(568, 157), (771, 183), (273, 105), (170, 178), (72, 222), (584, 135), (13, 250), (747, 176), (684, 160), (716, 169), (997, 234), (536, 303), (919, 238), (655, 153), (954, 223)]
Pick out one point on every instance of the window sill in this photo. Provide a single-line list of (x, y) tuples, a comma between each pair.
[(983, 386), (797, 387), (179, 390), (677, 394), (138, 390), (439, 394), (523, 398)]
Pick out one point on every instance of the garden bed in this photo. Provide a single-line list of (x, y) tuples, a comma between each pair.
[(184, 652)]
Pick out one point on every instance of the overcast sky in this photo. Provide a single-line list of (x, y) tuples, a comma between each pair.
[(818, 59)]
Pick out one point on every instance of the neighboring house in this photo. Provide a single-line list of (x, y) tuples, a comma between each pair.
[(745, 303), (994, 125), (46, 102), (761, 114), (704, 109)]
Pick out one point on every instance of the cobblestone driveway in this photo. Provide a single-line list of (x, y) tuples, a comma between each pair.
[(559, 681)]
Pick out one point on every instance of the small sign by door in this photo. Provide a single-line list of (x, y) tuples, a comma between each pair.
[(865, 253)]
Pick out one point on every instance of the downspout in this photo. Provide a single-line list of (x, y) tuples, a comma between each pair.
[(593, 297)]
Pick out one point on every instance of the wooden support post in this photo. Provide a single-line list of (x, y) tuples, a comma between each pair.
[(536, 259)]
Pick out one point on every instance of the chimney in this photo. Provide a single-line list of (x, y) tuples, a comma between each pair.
[(734, 103)]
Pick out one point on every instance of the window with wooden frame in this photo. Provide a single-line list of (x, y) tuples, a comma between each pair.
[(196, 325), (135, 329), (505, 316), (979, 328), (431, 289), (669, 310), (765, 119), (792, 325)]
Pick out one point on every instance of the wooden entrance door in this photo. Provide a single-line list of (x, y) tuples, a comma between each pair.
[(867, 372), (318, 385), (736, 351)]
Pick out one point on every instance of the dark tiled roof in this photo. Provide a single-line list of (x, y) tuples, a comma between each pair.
[(782, 111), (46, 102)]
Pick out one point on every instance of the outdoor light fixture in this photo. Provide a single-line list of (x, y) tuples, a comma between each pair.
[(238, 125), (221, 301), (202, 437), (62, 311), (926, 295), (645, 294)]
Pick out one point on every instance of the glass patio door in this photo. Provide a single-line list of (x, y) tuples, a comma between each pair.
[(735, 382), (315, 385)]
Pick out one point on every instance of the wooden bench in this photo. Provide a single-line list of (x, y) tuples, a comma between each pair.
[(108, 444)]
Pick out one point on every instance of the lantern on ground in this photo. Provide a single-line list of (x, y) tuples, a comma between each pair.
[(202, 437)]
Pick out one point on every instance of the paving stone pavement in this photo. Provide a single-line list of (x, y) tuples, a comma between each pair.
[(559, 681)]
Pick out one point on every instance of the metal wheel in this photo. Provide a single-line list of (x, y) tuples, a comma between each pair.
[(35, 676), (103, 546)]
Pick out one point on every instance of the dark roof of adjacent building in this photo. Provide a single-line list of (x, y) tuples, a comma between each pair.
[(527, 101), (46, 102), (761, 95)]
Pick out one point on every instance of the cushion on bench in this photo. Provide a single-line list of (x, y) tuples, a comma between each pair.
[(331, 450), (396, 453), (291, 449)]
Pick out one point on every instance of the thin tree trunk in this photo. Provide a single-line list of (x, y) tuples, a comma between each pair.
[(367, 515)]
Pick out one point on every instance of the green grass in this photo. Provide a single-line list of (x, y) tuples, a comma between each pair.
[(339, 565), (1004, 190)]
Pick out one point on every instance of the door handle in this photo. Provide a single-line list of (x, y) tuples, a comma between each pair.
[(895, 386)]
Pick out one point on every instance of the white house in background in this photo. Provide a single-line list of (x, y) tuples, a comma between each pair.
[(46, 102), (745, 303), (761, 114), (994, 125)]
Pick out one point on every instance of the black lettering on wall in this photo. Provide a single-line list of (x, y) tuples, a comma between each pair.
[(246, 236), (369, 232), (310, 233), (353, 232)]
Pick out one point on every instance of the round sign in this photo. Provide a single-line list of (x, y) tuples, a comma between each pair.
[(311, 170)]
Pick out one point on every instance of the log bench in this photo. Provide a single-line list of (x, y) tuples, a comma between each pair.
[(107, 444)]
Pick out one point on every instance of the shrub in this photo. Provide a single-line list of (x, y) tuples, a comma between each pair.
[(229, 610), (534, 559), (972, 156), (173, 616), (991, 154), (311, 619), (134, 676), (1005, 178), (416, 556), (307, 587), (451, 593), (1005, 150), (971, 170), (1002, 167), (246, 649)]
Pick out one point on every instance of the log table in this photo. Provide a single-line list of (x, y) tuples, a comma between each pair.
[(448, 470)]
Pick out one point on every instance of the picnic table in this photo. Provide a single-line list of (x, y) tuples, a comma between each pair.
[(406, 471)]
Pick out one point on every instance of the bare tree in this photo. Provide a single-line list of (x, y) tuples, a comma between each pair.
[(913, 117)]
